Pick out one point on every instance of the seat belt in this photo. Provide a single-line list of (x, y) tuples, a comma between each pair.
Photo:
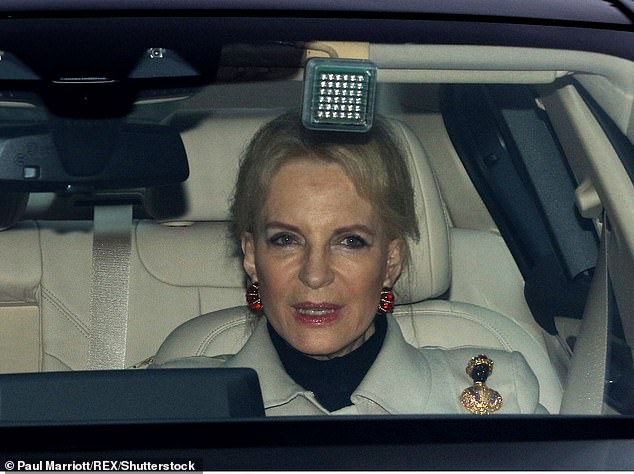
[(585, 388), (111, 251)]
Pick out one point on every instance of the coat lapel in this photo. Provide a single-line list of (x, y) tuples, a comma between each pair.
[(400, 379), (259, 354)]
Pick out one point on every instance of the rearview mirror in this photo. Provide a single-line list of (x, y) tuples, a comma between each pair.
[(87, 155)]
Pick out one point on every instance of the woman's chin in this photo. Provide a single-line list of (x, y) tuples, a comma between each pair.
[(319, 336)]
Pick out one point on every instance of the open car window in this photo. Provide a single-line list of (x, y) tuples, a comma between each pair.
[(118, 160)]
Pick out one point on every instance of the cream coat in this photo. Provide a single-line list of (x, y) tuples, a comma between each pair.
[(402, 380)]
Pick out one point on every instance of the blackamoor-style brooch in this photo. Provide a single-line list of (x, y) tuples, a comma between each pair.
[(479, 398)]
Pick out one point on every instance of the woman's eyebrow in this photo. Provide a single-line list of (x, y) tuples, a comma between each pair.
[(340, 230), (355, 228), (281, 225)]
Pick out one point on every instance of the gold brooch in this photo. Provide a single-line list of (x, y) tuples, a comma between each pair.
[(479, 398)]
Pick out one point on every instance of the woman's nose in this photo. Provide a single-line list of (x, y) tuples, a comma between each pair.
[(316, 271)]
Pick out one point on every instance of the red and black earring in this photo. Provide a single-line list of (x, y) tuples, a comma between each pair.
[(253, 297), (386, 304)]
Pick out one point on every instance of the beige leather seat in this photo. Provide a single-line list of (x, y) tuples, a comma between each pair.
[(425, 321), (179, 269), (19, 274), (182, 264)]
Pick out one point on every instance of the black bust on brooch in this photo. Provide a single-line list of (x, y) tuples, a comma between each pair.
[(480, 399)]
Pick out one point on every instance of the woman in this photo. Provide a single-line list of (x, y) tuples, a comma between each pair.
[(323, 221)]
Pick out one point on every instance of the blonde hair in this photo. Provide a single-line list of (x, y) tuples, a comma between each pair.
[(374, 161)]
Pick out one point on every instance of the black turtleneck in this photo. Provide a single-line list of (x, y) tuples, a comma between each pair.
[(333, 380)]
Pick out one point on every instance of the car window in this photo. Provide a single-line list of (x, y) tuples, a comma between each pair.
[(117, 180)]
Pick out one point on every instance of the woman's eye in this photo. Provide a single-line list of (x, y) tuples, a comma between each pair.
[(354, 242), (282, 240)]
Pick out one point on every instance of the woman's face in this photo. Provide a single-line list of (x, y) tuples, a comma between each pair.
[(321, 256)]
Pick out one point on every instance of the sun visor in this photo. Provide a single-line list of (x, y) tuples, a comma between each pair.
[(84, 155)]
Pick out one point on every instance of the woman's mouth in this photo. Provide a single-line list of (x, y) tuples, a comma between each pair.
[(317, 314)]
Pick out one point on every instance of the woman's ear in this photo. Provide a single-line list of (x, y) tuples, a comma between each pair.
[(248, 260), (394, 267)]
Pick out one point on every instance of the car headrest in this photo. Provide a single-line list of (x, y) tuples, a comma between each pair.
[(205, 195), (429, 271)]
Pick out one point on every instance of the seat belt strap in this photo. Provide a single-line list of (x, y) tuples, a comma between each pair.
[(585, 388), (111, 251)]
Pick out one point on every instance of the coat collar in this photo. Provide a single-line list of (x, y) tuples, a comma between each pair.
[(398, 381)]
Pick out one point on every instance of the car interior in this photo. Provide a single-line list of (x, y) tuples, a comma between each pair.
[(522, 166)]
